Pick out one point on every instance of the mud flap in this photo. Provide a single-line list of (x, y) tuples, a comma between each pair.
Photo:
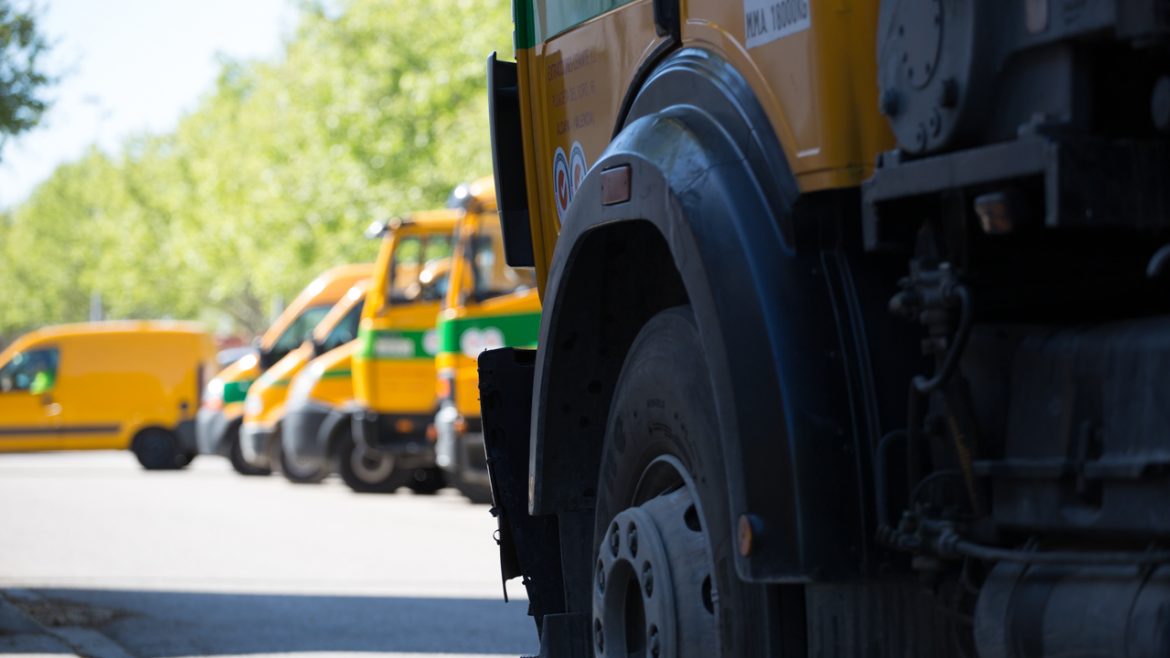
[(529, 545)]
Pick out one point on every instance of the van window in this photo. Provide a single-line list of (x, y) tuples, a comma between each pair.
[(493, 277), (346, 330), (299, 330), (556, 16), (34, 371), (418, 269)]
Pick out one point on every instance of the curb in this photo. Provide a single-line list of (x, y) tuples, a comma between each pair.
[(22, 633)]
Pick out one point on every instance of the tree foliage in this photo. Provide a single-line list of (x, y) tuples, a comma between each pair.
[(376, 108), (22, 78)]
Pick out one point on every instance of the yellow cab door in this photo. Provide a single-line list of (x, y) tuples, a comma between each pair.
[(490, 305), (398, 341), (29, 411)]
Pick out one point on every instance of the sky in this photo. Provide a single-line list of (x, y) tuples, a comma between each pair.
[(132, 66)]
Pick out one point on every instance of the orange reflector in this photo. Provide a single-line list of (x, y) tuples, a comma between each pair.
[(432, 433), (615, 185), (460, 426), (443, 388), (404, 426)]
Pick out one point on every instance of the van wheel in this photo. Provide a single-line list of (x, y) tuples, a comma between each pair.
[(663, 576), (158, 450), (365, 471), (236, 455), (298, 475), (427, 481)]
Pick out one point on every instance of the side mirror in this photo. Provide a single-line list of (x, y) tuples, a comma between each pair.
[(268, 358)]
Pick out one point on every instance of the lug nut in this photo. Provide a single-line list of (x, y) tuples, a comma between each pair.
[(648, 579), (655, 644), (615, 542), (632, 538), (599, 636), (600, 576)]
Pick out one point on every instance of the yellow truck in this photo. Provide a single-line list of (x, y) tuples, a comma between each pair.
[(264, 406), (220, 416), (394, 363), (856, 327), (488, 305), (106, 386)]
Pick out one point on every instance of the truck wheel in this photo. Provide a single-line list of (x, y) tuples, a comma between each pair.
[(427, 481), (236, 455), (158, 450), (664, 580), (365, 471)]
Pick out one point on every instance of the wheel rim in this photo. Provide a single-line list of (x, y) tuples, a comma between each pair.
[(653, 582), (371, 466)]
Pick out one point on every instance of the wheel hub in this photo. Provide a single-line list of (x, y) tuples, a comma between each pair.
[(653, 587), (371, 465)]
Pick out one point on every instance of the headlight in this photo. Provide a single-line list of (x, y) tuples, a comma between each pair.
[(302, 385), (213, 394)]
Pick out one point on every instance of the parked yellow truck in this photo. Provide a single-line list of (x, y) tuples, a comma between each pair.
[(220, 417), (106, 386), (488, 305), (264, 406), (856, 327), (394, 364)]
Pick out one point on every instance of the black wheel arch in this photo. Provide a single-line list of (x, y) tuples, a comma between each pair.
[(716, 222)]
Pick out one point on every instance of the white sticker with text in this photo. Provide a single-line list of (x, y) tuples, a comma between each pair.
[(768, 20)]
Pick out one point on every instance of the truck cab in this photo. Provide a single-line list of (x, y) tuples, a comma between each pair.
[(854, 319), (488, 305), (394, 364)]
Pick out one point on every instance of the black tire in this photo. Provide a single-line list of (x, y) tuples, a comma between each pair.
[(364, 473), (478, 494), (297, 475), (662, 466), (427, 481), (159, 450), (236, 456)]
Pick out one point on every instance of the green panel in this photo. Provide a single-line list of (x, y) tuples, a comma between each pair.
[(519, 330), (236, 391), (522, 17), (336, 374), (392, 345)]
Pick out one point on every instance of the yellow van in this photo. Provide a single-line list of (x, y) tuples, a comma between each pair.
[(264, 406), (488, 305), (218, 425), (317, 416), (106, 386), (394, 364)]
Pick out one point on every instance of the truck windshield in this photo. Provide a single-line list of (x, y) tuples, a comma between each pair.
[(299, 330), (418, 270), (493, 277), (346, 330)]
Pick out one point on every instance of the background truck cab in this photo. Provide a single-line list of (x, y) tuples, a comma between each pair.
[(394, 365), (488, 305), (106, 386)]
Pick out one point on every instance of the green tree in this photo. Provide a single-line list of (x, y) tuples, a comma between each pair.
[(375, 108), (22, 78)]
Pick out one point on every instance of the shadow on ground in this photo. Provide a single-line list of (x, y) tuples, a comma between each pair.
[(161, 624)]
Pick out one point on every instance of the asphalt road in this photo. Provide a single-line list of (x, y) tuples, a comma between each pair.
[(112, 561)]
